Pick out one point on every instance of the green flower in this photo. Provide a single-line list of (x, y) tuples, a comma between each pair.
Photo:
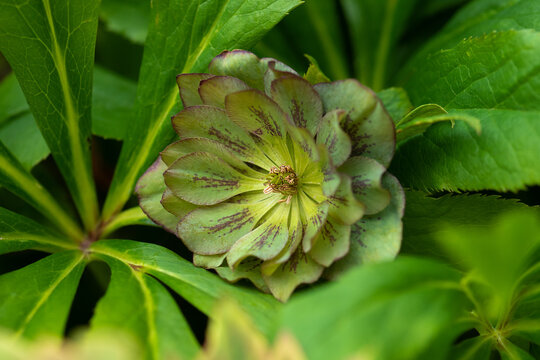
[(275, 179)]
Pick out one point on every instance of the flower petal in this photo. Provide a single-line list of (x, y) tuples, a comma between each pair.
[(205, 179), (214, 89), (249, 269), (263, 119), (297, 97), (366, 177), (313, 218), (332, 242), (377, 237), (295, 238), (300, 269), (336, 140), (188, 84), (208, 261), (264, 242), (344, 208), (274, 70), (213, 230), (190, 145), (240, 64), (176, 206), (150, 188), (212, 123), (368, 124)]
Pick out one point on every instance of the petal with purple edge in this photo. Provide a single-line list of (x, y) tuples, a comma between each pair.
[(264, 242), (204, 179), (300, 269), (188, 84), (213, 230), (240, 64), (368, 124), (150, 188), (274, 70), (212, 123), (297, 97), (336, 140), (332, 242), (214, 89), (375, 238), (366, 177), (190, 145), (176, 206)]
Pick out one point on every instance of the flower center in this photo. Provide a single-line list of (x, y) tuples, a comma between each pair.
[(282, 180)]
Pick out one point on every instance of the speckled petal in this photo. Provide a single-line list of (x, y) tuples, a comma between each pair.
[(366, 177), (150, 188), (212, 123), (188, 84), (332, 242), (264, 242), (336, 140), (368, 124), (377, 237), (344, 208), (204, 179), (313, 217), (214, 90), (297, 97), (191, 145), (263, 119), (300, 269), (212, 230)]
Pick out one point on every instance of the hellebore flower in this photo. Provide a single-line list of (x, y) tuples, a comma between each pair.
[(275, 179)]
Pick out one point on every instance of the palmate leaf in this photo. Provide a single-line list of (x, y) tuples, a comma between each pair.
[(186, 37), (52, 56), (135, 302), (499, 92)]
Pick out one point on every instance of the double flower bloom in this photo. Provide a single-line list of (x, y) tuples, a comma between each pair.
[(275, 179)]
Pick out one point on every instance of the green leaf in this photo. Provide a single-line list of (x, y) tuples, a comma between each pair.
[(50, 47), (21, 183), (128, 18), (112, 104), (23, 138), (40, 306), (20, 233), (499, 94), (314, 73), (478, 18), (137, 304), (418, 120), (313, 28), (377, 305), (198, 286), (424, 216), (112, 108), (12, 101), (181, 42), (376, 27)]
